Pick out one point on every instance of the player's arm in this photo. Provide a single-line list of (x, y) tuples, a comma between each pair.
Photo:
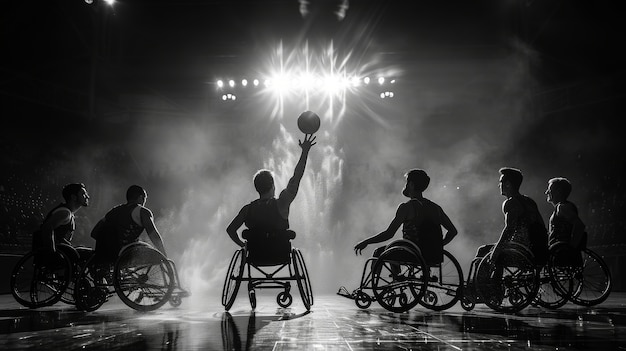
[(234, 226), (287, 195), (511, 209), (449, 226), (57, 218), (147, 221), (388, 233)]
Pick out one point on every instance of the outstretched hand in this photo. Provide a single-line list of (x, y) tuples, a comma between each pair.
[(309, 140), (358, 248)]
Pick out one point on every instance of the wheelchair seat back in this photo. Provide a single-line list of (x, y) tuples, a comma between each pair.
[(268, 249), (564, 255)]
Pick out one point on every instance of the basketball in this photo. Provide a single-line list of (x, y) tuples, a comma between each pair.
[(308, 122)]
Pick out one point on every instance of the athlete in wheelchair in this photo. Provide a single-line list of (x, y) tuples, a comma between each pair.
[(266, 252), (47, 274), (141, 275), (416, 269), (506, 275), (576, 273)]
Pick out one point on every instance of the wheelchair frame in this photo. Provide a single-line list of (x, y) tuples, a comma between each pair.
[(586, 283), (29, 278), (240, 264), (130, 277), (431, 290)]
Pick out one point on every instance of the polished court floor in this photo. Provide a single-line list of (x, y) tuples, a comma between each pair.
[(334, 323)]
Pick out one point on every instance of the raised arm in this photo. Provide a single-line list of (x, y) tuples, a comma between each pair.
[(298, 172), (287, 196)]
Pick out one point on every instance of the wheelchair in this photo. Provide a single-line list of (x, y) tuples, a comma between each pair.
[(507, 285), (581, 275), (399, 279), (261, 262), (555, 278), (41, 278), (141, 276)]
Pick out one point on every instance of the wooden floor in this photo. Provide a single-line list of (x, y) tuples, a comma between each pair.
[(334, 323)]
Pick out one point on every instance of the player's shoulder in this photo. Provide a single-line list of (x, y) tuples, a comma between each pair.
[(513, 203), (144, 210)]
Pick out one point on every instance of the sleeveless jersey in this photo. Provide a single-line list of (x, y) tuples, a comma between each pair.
[(64, 231), (424, 229), (560, 228), (120, 220), (528, 230), (263, 216)]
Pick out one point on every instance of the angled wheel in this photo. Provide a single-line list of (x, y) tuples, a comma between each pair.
[(252, 298), (591, 280), (233, 279), (94, 285), (547, 295), (302, 278), (444, 284), (509, 285), (143, 277), (40, 279), (78, 257), (399, 278)]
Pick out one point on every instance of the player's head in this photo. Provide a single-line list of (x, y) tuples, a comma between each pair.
[(510, 180), (76, 191), (136, 194), (558, 190), (263, 181), (418, 179)]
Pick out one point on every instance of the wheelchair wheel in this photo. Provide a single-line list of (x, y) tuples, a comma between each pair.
[(444, 284), (548, 296), (233, 279), (143, 277), (556, 278), (399, 278), (362, 300), (302, 278), (78, 256), (40, 279), (252, 298), (93, 285), (284, 299), (510, 284), (591, 280)]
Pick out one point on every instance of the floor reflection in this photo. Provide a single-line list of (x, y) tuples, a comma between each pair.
[(332, 324)]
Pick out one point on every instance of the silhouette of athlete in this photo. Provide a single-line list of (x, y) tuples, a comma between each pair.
[(268, 216), (59, 224), (421, 221), (565, 226), (523, 223), (123, 225)]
